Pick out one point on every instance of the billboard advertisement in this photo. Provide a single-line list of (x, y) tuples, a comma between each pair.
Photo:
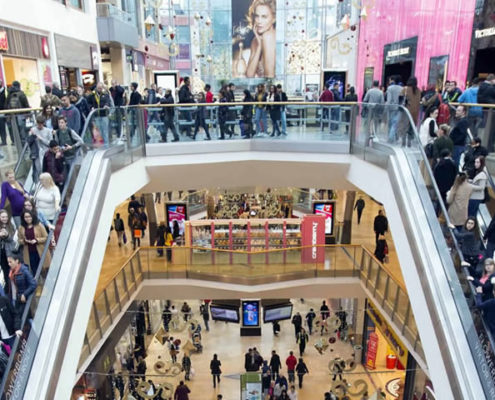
[(254, 38), (250, 313), (327, 209), (176, 213)]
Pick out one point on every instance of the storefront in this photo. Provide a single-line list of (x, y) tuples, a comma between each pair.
[(75, 57), (385, 352), (25, 57), (482, 54), (399, 59), (425, 34)]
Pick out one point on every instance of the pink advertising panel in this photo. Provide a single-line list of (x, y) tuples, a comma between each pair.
[(313, 234), (443, 28)]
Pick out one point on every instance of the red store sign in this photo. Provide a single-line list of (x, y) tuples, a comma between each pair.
[(4, 43)]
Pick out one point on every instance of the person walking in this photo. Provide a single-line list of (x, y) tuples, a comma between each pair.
[(7, 245), (283, 113), (302, 339), (186, 366), (324, 313), (291, 363), (301, 370), (380, 224), (260, 110), (186, 97), (215, 370), (204, 311), (275, 364), (359, 206), (381, 250), (393, 95), (297, 322), (274, 97), (167, 116), (459, 134), (310, 317), (247, 115), (222, 114), (14, 192), (201, 118), (181, 392), (412, 100), (160, 238), (118, 225)]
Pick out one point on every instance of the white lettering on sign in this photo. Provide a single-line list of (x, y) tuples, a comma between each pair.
[(398, 52), (313, 240), (481, 33)]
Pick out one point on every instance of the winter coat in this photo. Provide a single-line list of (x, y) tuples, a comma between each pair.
[(458, 203)]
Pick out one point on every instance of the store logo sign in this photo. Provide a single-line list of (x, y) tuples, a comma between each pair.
[(4, 42), (314, 240), (481, 33), (398, 52)]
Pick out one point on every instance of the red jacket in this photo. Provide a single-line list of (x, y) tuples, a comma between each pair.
[(291, 363), (327, 95), (209, 97)]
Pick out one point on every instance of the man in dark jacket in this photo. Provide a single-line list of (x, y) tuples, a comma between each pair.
[(275, 364), (283, 114), (380, 224), (100, 100), (49, 99), (359, 206), (53, 163), (168, 117), (489, 236), (11, 322), (3, 105), (297, 322), (56, 90), (17, 99), (475, 150), (23, 281), (71, 113), (134, 100), (486, 92), (445, 172), (82, 106), (182, 392), (232, 115), (459, 134), (186, 97), (117, 92)]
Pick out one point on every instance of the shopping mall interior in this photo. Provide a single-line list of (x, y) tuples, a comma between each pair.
[(250, 200)]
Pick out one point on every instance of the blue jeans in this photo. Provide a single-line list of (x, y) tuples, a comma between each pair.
[(260, 115), (458, 150), (283, 118), (473, 206), (393, 121), (102, 125)]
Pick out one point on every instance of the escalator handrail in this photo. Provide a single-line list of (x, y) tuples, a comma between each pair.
[(445, 213), (46, 249), (29, 301)]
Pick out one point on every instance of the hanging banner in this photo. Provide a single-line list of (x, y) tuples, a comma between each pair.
[(4, 42), (372, 350), (313, 235)]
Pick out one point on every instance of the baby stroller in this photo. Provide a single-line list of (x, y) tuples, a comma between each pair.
[(196, 341)]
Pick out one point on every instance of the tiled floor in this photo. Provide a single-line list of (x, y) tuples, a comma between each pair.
[(224, 340)]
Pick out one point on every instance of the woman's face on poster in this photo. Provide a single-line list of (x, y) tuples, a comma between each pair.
[(263, 19)]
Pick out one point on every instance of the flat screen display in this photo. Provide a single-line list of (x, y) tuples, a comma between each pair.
[(220, 313), (176, 212), (277, 313), (250, 313), (327, 210)]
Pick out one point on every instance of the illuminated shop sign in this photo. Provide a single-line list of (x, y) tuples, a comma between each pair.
[(398, 52), (482, 33)]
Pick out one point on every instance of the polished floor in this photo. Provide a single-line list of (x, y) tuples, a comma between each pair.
[(224, 340), (362, 234)]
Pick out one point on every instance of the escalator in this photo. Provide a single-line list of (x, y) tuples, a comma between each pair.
[(48, 353)]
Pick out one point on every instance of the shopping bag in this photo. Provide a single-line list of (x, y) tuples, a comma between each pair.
[(124, 238)]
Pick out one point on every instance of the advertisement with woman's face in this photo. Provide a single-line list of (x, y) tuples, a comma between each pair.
[(253, 38)]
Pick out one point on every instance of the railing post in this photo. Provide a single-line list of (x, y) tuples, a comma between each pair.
[(117, 297), (107, 305), (97, 319)]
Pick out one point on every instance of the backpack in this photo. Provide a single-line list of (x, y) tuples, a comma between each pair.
[(14, 101), (443, 113)]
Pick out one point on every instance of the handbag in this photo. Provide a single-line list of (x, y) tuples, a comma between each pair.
[(124, 238)]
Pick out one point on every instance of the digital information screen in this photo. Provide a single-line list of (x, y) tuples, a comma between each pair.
[(250, 313)]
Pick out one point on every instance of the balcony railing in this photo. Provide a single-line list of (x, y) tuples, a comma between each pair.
[(107, 10)]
